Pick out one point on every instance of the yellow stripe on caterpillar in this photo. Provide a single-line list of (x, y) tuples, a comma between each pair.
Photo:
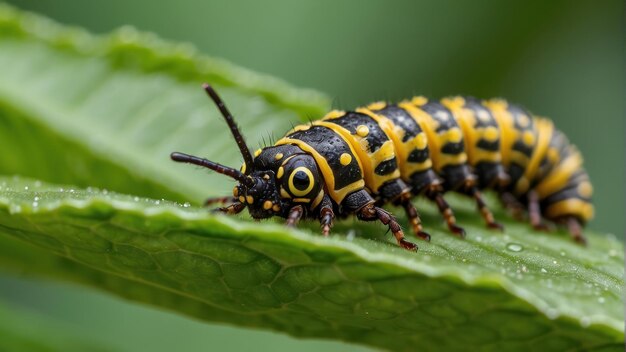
[(557, 178), (545, 129), (327, 172), (572, 206)]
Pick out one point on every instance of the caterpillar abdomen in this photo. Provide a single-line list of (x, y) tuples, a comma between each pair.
[(353, 162), (465, 145)]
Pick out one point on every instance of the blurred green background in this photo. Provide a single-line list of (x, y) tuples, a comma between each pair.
[(561, 59)]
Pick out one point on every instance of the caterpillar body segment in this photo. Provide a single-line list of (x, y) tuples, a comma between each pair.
[(340, 167), (355, 162), (482, 136), (447, 155)]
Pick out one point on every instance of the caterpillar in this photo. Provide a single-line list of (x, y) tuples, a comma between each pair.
[(354, 162)]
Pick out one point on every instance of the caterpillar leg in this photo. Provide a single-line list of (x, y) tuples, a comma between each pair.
[(484, 210), (435, 195), (232, 209), (575, 229), (534, 212), (398, 193), (512, 205), (413, 216), (295, 214), (219, 200), (370, 212), (326, 215)]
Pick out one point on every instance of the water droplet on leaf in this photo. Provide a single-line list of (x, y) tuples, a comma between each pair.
[(514, 247), (585, 322), (552, 313)]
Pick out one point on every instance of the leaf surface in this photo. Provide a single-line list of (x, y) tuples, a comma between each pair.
[(494, 291)]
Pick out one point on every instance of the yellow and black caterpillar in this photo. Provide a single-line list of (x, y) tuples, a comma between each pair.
[(353, 162)]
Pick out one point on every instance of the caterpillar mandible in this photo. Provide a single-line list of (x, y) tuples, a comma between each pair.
[(354, 162)]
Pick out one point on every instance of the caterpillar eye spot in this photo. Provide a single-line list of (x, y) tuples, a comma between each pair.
[(301, 181)]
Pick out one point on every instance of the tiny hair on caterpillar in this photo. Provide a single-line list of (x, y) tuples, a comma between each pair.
[(354, 162)]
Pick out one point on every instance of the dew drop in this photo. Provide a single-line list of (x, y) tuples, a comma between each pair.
[(514, 247), (585, 322), (136, 199), (544, 270), (157, 202), (26, 188), (552, 313), (35, 204), (186, 205)]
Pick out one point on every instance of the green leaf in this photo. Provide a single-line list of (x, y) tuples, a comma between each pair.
[(21, 330), (493, 291), (107, 111)]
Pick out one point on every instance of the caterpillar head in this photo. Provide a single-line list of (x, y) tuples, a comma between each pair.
[(269, 185), (278, 186)]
